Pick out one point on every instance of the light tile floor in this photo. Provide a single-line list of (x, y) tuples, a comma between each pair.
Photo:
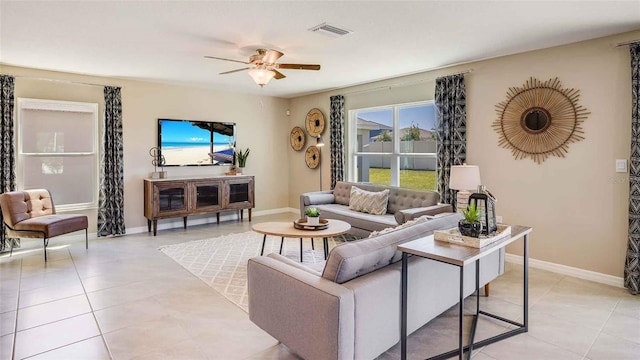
[(124, 299)]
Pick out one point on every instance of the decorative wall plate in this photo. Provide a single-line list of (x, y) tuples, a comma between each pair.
[(314, 123), (298, 138), (312, 157), (539, 120)]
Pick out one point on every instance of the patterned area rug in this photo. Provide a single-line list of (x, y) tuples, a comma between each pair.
[(221, 262)]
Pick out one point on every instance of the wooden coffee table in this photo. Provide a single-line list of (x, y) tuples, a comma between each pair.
[(286, 230)]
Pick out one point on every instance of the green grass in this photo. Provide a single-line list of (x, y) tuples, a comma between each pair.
[(411, 179)]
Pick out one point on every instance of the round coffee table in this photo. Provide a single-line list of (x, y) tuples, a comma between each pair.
[(286, 230)]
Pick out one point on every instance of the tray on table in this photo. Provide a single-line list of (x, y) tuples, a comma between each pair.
[(302, 224), (453, 236)]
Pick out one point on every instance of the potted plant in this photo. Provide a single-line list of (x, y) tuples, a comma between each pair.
[(470, 225), (242, 158), (313, 216)]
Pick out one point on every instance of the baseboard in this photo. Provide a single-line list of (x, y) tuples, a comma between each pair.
[(568, 270), (228, 216)]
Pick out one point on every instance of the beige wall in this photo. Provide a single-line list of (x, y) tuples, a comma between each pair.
[(577, 205), (261, 123)]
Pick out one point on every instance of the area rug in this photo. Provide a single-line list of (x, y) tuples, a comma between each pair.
[(221, 262)]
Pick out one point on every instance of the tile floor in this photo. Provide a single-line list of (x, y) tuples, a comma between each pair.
[(123, 299)]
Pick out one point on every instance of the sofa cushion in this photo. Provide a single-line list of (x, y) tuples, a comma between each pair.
[(350, 260), (357, 219), (400, 199), (368, 201)]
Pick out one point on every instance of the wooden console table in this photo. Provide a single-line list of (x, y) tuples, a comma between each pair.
[(181, 197), (460, 256)]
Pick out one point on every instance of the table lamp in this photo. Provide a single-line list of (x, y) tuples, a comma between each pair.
[(464, 178)]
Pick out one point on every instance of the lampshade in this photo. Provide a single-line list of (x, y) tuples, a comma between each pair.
[(464, 177), (262, 76), (319, 141)]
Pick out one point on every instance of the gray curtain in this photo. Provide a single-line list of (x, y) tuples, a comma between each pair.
[(336, 139), (632, 262), (111, 202), (451, 130), (7, 151)]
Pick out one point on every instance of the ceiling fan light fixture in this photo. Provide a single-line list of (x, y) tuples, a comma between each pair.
[(262, 76)]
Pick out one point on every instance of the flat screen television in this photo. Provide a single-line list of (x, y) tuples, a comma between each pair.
[(196, 143)]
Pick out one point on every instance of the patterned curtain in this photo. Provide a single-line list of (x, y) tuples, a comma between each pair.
[(7, 151), (632, 263), (111, 207), (336, 139), (451, 130)]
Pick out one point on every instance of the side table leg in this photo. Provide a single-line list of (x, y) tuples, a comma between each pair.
[(249, 215), (218, 218), (281, 243), (184, 220), (264, 239), (155, 227), (241, 215), (148, 225), (461, 315), (300, 249), (313, 247), (525, 258), (403, 311)]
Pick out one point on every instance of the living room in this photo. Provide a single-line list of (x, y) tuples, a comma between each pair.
[(577, 204)]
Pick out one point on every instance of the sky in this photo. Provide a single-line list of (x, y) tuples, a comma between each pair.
[(423, 115), (186, 132)]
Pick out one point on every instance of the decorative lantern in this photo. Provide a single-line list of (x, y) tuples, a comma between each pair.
[(484, 200)]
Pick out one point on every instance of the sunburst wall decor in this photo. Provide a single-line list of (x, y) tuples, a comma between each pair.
[(539, 120)]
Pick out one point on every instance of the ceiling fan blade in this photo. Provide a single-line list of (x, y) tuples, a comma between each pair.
[(217, 58), (278, 75), (271, 56), (298, 66), (232, 71)]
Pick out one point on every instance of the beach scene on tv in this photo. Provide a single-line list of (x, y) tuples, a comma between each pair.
[(196, 142)]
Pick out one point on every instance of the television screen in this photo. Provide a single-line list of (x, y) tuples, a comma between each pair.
[(189, 142)]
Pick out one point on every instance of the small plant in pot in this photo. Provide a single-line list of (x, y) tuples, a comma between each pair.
[(313, 216), (470, 225), (242, 158)]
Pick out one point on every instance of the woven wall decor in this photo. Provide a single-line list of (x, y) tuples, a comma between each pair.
[(539, 119)]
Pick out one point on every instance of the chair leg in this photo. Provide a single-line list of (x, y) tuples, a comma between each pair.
[(487, 288), (281, 243), (86, 239), (44, 240), (11, 249)]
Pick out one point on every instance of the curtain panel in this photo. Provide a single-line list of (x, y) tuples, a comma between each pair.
[(7, 151), (451, 130), (336, 139), (632, 262), (111, 201)]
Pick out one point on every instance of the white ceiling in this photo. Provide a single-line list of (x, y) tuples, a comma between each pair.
[(165, 41)]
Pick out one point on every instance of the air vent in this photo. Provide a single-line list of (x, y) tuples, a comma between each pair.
[(330, 30)]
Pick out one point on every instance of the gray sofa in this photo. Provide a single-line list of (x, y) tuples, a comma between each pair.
[(349, 306), (403, 205)]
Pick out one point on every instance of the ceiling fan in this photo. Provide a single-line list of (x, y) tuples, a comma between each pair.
[(264, 67)]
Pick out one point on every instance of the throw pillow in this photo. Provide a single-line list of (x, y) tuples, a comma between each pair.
[(369, 202)]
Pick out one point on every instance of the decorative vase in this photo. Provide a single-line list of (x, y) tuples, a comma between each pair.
[(470, 229), (313, 220)]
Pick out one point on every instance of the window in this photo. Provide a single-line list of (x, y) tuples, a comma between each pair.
[(57, 150), (394, 145)]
